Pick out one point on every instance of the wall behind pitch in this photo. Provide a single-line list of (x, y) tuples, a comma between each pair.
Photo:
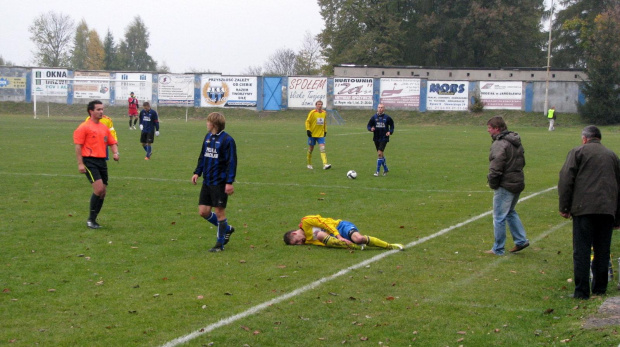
[(13, 81)]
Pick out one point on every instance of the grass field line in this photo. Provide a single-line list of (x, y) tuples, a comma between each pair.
[(491, 266), (255, 309), (113, 178)]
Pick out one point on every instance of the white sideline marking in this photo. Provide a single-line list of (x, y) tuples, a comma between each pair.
[(439, 299), (315, 284)]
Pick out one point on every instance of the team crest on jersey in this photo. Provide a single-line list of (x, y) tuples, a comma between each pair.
[(216, 94)]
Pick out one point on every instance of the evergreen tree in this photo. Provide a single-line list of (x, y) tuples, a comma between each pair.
[(79, 53), (601, 42), (132, 51), (577, 15), (110, 52)]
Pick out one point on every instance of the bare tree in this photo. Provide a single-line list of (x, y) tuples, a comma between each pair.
[(255, 70), (281, 63), (52, 33), (310, 58)]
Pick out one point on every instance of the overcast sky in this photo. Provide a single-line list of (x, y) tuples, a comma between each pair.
[(224, 36)]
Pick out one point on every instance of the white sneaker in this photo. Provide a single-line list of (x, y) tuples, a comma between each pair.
[(385, 173), (310, 167), (327, 166), (376, 174)]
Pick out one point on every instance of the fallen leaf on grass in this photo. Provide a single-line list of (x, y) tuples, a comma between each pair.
[(461, 339), (200, 297), (389, 298), (496, 330), (245, 328), (99, 283), (461, 332), (6, 290), (364, 338), (242, 261), (51, 290), (229, 294), (548, 311), (281, 266), (256, 332)]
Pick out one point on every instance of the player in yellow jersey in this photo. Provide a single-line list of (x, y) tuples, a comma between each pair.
[(316, 129), (316, 230)]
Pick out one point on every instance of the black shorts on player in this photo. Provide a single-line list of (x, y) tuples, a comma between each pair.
[(147, 137), (214, 196), (380, 145), (96, 169)]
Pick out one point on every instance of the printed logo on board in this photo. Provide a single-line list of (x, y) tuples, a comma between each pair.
[(216, 94)]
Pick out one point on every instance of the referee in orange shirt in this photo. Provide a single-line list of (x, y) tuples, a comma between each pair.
[(91, 139)]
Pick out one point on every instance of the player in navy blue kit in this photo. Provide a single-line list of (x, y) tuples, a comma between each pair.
[(149, 124), (217, 164), (382, 127)]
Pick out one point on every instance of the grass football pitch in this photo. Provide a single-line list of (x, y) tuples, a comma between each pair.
[(146, 278)]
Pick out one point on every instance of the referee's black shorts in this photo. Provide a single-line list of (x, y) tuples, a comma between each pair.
[(96, 169)]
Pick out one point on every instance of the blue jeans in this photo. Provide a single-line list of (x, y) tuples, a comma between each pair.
[(504, 203)]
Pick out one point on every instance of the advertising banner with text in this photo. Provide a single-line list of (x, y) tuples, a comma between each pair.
[(353, 92), (501, 95), (228, 91), (304, 92), (50, 82), (400, 92), (446, 96), (175, 90), (91, 85), (141, 84)]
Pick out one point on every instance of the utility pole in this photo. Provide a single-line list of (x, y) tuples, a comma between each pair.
[(548, 61)]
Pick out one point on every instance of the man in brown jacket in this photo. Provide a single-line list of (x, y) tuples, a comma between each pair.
[(588, 190), (506, 162)]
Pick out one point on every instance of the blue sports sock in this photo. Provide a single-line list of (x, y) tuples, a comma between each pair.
[(385, 168), (378, 164), (222, 227), (212, 219), (148, 150)]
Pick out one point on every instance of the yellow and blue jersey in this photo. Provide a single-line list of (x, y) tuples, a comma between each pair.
[(315, 223), (317, 123)]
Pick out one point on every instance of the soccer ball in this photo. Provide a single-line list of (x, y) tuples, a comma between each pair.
[(351, 174)]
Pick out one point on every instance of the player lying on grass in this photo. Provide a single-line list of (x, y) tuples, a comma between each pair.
[(316, 230)]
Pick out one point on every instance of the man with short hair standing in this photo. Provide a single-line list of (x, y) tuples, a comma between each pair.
[(588, 191), (506, 162), (91, 139), (316, 129), (382, 126), (217, 164)]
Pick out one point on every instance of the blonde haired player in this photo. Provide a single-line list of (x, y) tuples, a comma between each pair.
[(319, 231), (316, 129)]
